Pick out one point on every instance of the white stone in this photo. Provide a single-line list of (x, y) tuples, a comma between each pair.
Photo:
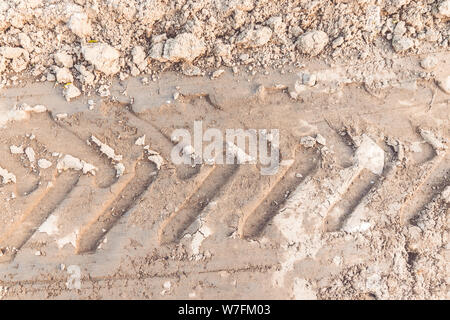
[(31, 155), (140, 141), (16, 150), (44, 163)]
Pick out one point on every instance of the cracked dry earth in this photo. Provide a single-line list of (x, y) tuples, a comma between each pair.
[(93, 208)]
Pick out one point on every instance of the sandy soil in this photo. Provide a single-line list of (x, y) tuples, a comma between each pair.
[(94, 207)]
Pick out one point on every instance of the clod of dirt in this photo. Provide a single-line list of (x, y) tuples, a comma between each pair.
[(429, 62), (64, 60), (79, 24), (312, 42), (184, 47), (251, 38), (63, 75), (104, 57), (18, 58)]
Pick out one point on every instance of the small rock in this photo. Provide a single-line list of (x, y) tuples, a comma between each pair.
[(277, 25), (71, 92), (191, 71), (401, 44), (312, 42)]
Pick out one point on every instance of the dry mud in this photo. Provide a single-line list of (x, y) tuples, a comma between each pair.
[(93, 207)]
